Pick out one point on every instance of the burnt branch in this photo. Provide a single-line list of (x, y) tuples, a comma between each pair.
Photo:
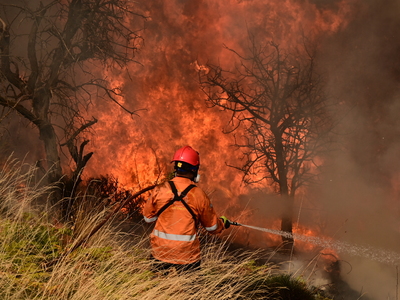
[(5, 62), (22, 110), (79, 130), (32, 54), (78, 154), (68, 46), (277, 105)]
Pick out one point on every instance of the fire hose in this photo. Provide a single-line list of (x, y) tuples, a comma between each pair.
[(379, 255), (235, 223), (118, 208), (272, 231), (365, 251)]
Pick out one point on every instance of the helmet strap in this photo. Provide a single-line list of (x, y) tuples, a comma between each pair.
[(197, 178)]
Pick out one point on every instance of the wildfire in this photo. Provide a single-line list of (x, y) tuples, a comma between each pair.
[(180, 39)]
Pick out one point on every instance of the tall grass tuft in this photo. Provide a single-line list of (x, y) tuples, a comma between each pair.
[(110, 266)]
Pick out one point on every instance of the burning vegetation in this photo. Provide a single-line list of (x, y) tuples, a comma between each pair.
[(277, 96)]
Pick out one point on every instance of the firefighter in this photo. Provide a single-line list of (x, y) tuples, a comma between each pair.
[(178, 207)]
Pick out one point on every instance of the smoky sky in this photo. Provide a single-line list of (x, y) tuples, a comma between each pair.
[(358, 193)]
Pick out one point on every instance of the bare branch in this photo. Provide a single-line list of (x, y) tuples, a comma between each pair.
[(67, 46), (21, 110), (79, 130), (275, 98)]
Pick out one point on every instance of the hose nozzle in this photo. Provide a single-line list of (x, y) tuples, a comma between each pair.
[(235, 223)]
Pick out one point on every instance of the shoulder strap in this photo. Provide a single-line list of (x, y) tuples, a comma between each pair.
[(179, 198), (183, 194)]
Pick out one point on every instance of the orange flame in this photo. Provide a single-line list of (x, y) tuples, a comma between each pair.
[(180, 38)]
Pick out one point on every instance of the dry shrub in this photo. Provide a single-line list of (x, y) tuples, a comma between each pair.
[(108, 266)]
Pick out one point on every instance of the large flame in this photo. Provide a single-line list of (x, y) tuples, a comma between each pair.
[(180, 38)]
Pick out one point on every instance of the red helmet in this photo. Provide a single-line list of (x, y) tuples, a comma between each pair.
[(188, 155)]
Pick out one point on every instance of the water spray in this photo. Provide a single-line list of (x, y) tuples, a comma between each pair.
[(369, 252)]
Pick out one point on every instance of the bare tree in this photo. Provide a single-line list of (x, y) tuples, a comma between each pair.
[(53, 54), (276, 97)]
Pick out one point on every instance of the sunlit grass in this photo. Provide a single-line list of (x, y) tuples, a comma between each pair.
[(33, 267)]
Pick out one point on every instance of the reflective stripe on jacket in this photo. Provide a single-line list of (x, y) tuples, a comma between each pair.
[(174, 239)]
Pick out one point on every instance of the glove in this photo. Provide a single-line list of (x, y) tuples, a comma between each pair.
[(227, 223)]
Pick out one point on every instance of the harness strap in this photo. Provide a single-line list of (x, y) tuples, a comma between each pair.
[(183, 195), (179, 198)]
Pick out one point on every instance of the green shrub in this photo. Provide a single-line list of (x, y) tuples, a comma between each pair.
[(289, 288), (25, 249)]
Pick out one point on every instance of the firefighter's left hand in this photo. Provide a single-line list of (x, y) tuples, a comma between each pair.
[(227, 223)]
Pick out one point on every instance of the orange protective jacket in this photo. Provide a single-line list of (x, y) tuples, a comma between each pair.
[(174, 238)]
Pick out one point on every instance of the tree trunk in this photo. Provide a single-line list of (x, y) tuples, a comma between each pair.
[(287, 214), (41, 104), (287, 221), (49, 138)]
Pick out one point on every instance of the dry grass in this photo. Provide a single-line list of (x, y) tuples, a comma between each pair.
[(104, 268)]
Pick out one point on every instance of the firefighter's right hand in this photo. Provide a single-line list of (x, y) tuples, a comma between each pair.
[(226, 222)]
